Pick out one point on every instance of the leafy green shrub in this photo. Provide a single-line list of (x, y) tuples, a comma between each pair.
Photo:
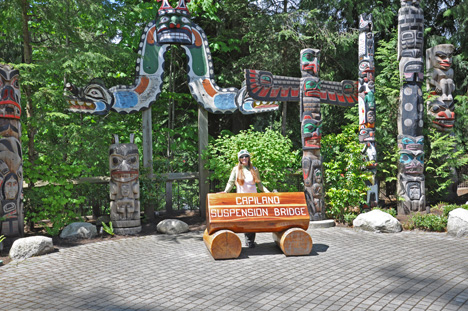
[(390, 211), (270, 151), (450, 207), (441, 159), (349, 218), (345, 187), (428, 222), (57, 201)]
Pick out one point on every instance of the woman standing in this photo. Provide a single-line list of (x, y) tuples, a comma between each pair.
[(246, 177)]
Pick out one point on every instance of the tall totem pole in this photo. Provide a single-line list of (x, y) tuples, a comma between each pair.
[(411, 183), (11, 158), (367, 115), (311, 122)]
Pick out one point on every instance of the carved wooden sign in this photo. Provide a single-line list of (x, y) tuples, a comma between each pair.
[(285, 214), (257, 212)]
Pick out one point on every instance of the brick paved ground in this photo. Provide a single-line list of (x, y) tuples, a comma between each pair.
[(347, 270)]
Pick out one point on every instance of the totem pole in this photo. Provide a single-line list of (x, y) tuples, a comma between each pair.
[(172, 26), (411, 183), (124, 167), (310, 91), (311, 123), (11, 158), (366, 99), (439, 84)]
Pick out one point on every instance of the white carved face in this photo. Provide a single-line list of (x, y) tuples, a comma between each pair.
[(11, 188)]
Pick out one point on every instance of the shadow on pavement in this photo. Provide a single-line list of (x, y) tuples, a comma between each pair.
[(263, 249)]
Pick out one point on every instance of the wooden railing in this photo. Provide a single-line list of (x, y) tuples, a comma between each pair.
[(167, 178)]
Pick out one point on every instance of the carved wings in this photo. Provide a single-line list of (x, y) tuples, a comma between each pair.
[(262, 85)]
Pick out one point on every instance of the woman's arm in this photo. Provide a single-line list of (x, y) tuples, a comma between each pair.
[(232, 180), (261, 187)]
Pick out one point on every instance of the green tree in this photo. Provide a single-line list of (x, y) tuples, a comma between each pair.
[(345, 188), (271, 153)]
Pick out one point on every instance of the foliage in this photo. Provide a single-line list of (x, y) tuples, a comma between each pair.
[(270, 152), (56, 201), (349, 218), (390, 211), (429, 222), (345, 187), (109, 229), (76, 41), (450, 207), (442, 158), (387, 96)]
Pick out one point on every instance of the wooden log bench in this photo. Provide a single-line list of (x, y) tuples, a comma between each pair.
[(285, 214)]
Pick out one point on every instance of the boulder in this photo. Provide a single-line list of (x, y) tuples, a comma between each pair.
[(377, 221), (172, 226), (79, 230), (32, 246), (457, 224)]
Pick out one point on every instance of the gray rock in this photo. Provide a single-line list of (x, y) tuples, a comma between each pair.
[(457, 224), (79, 230), (172, 226), (32, 246), (377, 221)]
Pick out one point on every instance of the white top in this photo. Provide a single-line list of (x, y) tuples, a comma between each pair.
[(249, 183)]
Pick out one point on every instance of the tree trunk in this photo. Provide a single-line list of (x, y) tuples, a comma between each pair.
[(27, 50), (284, 119), (27, 58)]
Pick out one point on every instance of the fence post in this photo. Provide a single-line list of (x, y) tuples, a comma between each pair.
[(148, 156), (202, 144), (147, 142), (169, 197)]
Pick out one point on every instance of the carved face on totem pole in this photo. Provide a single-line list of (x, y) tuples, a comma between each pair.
[(10, 95), (366, 134), (311, 132), (124, 162), (311, 87), (173, 26), (365, 22), (310, 61), (440, 106), (411, 154)]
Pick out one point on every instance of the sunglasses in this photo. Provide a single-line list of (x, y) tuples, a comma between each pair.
[(244, 156)]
